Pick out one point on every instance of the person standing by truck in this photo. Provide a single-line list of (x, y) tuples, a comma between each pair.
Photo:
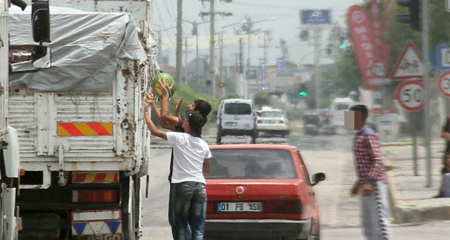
[(191, 158), (175, 123)]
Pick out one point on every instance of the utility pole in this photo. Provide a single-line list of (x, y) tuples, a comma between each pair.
[(196, 57), (160, 47), (248, 31), (220, 37), (211, 48), (427, 84), (179, 40), (195, 33), (317, 33), (212, 66), (241, 79), (265, 40), (185, 60)]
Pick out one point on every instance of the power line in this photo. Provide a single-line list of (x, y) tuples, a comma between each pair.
[(162, 23)]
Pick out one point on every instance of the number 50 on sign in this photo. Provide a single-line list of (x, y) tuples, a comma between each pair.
[(444, 83), (410, 95)]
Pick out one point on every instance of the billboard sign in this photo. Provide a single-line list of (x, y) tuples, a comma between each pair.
[(315, 17)]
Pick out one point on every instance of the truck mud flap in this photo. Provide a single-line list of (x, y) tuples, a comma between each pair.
[(41, 226)]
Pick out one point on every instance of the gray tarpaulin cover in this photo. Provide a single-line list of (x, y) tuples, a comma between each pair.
[(85, 46)]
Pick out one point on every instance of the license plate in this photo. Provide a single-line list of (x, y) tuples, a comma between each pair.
[(239, 207), (107, 236), (231, 124)]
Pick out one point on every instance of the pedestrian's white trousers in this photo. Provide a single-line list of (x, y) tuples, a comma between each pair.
[(375, 212)]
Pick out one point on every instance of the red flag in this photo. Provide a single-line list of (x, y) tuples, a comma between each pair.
[(383, 51), (377, 29), (363, 36)]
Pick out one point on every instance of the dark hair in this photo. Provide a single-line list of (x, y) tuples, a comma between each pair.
[(362, 109), (203, 107), (196, 123)]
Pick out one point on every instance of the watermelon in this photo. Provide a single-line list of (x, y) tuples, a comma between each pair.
[(157, 88)]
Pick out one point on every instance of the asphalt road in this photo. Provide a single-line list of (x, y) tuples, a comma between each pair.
[(328, 154)]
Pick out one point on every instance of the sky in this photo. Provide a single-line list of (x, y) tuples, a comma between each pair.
[(285, 24)]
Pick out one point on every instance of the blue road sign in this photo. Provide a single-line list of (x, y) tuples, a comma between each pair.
[(443, 58), (315, 16), (262, 63), (280, 65)]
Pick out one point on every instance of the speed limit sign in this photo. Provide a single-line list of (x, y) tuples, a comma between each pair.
[(410, 95), (444, 84)]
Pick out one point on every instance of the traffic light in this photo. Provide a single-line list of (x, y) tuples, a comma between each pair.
[(303, 90), (413, 18), (40, 17)]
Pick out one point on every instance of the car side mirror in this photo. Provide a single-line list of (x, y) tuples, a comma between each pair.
[(41, 57), (318, 177)]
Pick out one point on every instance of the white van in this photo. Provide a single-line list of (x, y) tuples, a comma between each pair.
[(337, 108), (236, 117)]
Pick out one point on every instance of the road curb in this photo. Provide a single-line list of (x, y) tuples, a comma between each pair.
[(397, 144), (402, 212)]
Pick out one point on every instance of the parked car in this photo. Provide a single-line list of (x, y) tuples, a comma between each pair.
[(326, 118), (260, 192), (236, 117), (273, 122), (312, 122)]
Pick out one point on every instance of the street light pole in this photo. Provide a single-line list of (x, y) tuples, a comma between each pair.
[(179, 48), (212, 50), (317, 33)]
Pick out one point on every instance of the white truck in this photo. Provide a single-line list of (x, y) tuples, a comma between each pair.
[(83, 140)]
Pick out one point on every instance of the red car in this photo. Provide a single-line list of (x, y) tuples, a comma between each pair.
[(260, 192)]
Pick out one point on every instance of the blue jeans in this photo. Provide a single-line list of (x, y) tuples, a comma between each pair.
[(187, 210)]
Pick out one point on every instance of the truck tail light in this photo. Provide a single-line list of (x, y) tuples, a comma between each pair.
[(287, 207), (95, 196)]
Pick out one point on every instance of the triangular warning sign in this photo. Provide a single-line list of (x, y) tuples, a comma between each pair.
[(79, 227), (96, 226), (409, 65)]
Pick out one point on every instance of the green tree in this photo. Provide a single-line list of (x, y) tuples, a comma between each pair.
[(261, 99)]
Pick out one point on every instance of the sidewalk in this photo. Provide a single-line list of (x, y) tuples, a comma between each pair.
[(410, 200)]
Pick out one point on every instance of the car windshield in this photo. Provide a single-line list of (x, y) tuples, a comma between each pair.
[(341, 106), (271, 114), (251, 164), (238, 108)]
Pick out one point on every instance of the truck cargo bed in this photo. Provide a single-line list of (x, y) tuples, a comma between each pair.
[(83, 131)]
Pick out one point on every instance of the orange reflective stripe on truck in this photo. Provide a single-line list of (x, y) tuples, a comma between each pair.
[(85, 129), (97, 177)]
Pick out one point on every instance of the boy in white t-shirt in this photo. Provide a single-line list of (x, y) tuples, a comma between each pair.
[(191, 158)]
